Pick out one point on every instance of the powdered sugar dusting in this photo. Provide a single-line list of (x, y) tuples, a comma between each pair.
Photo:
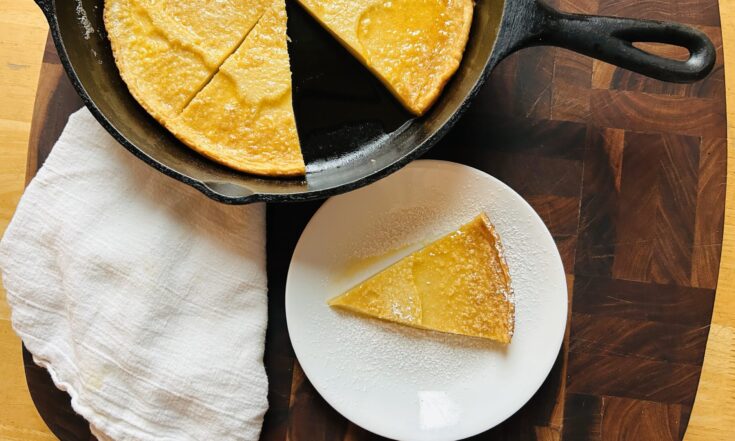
[(83, 20), (387, 365), (382, 348)]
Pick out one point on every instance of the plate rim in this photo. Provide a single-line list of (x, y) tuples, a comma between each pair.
[(557, 261)]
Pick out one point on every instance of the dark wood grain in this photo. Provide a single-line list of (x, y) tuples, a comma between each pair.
[(628, 174), (644, 339), (695, 12), (709, 222), (605, 76), (649, 420)]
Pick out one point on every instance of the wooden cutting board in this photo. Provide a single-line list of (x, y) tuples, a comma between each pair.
[(629, 175)]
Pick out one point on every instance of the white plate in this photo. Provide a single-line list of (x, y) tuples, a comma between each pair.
[(409, 384)]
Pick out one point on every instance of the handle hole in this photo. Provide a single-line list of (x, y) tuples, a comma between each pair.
[(664, 50)]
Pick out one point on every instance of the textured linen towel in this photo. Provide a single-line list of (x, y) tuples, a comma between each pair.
[(146, 301)]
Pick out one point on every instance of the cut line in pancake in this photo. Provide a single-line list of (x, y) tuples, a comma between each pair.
[(243, 118), (164, 50), (216, 71)]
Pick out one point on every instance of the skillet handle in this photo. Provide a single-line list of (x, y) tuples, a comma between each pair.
[(611, 39)]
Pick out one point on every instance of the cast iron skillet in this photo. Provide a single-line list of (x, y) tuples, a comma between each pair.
[(352, 131)]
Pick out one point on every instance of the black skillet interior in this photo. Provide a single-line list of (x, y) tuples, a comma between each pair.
[(352, 130)]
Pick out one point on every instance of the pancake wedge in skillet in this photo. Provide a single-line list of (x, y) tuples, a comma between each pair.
[(412, 46), (244, 117), (167, 50), (213, 77)]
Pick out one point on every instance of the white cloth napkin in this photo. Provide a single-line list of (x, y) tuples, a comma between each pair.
[(146, 301)]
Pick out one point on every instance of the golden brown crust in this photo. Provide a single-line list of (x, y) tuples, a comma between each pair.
[(189, 138), (428, 100), (498, 244)]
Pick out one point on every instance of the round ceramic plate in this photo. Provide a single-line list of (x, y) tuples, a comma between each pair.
[(405, 383)]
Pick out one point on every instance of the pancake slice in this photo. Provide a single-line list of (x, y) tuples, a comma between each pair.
[(459, 284), (413, 46), (167, 50), (243, 118)]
